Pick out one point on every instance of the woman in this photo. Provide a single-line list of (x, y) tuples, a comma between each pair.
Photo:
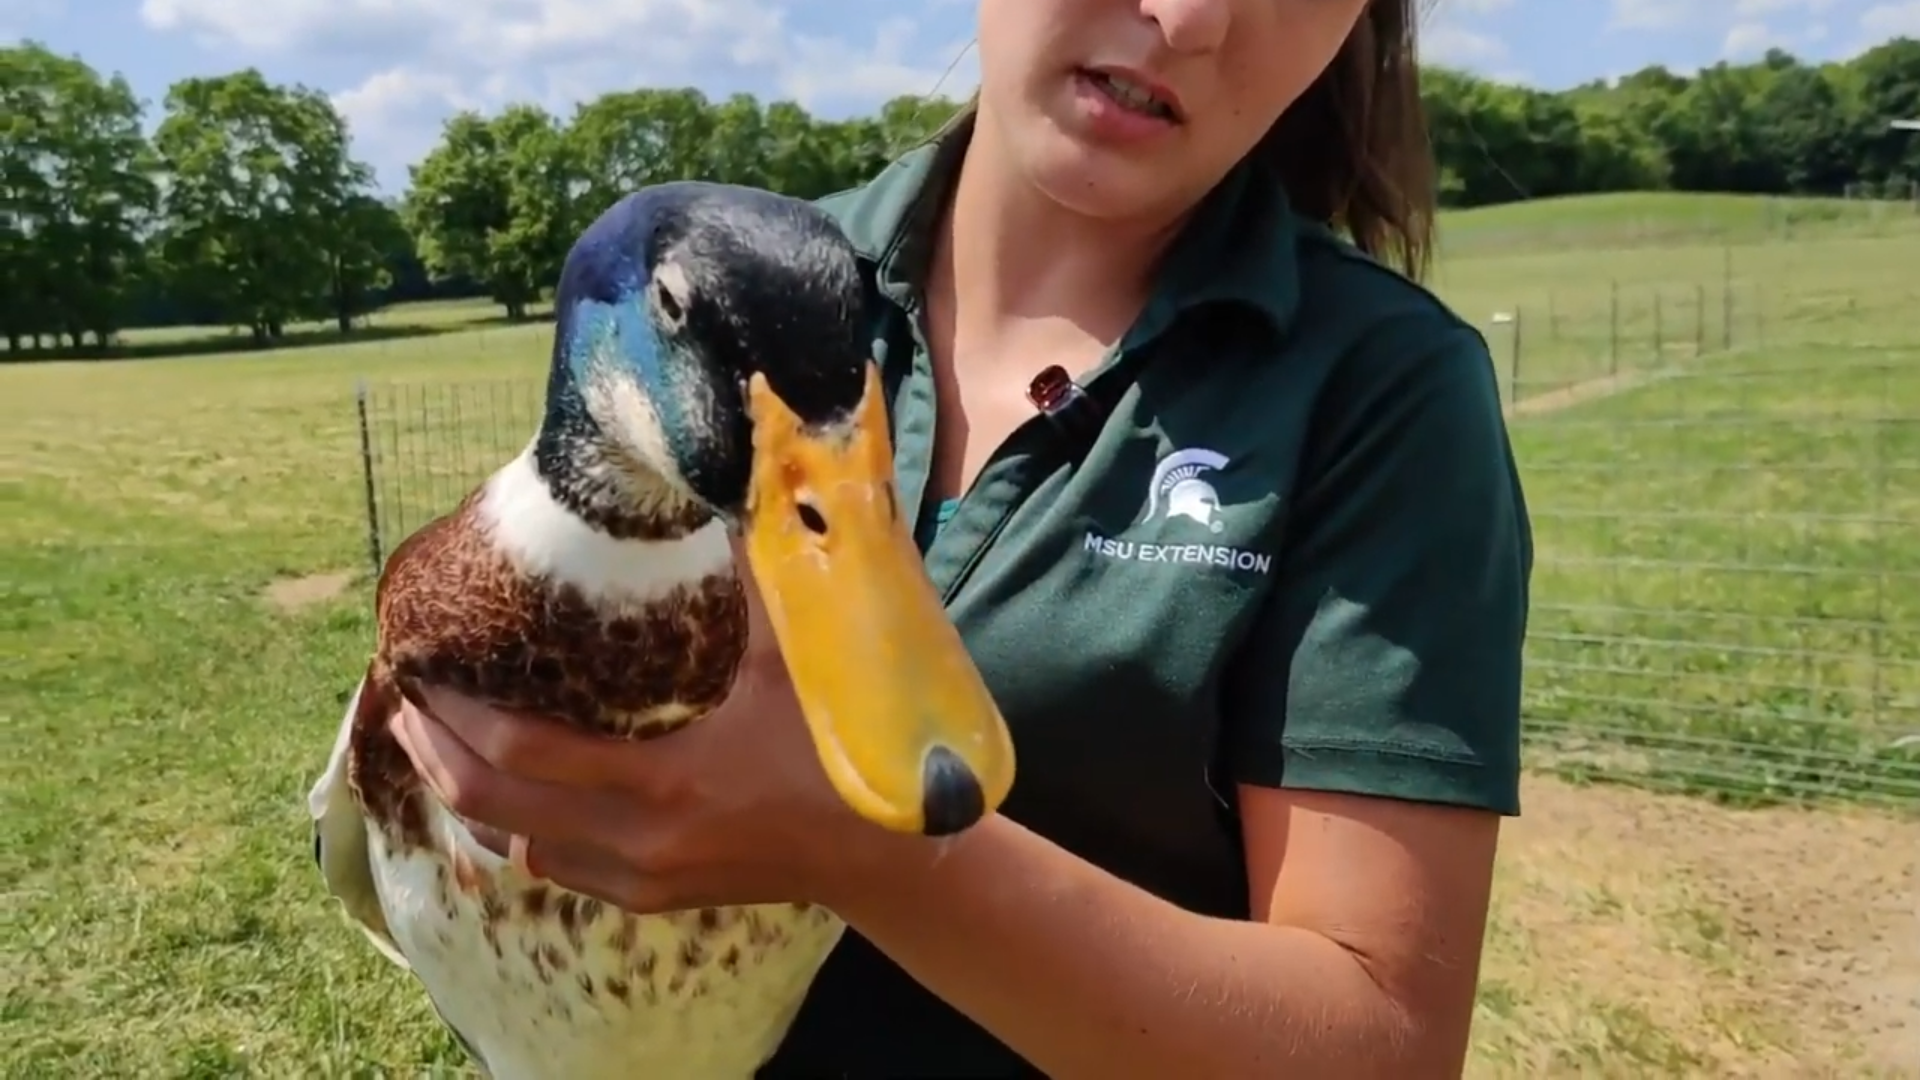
[(1258, 633)]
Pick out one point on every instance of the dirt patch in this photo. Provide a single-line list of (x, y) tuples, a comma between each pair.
[(1588, 390), (1640, 934), (298, 593)]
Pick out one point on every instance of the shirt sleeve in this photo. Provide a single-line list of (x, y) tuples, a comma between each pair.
[(1387, 661)]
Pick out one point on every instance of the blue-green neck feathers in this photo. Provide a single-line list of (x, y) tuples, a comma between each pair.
[(603, 335), (596, 340)]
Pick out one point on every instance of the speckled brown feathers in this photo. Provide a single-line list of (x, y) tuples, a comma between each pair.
[(517, 600), (454, 612)]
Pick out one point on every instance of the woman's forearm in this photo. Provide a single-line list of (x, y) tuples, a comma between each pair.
[(1086, 975)]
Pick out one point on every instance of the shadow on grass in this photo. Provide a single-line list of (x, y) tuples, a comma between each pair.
[(303, 337), (501, 322)]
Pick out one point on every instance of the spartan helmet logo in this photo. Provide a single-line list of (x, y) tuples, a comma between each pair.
[(1180, 489)]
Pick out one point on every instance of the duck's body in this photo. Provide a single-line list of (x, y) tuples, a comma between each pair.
[(513, 598), (707, 376)]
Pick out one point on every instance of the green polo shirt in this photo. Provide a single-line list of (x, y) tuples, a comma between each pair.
[(1295, 554)]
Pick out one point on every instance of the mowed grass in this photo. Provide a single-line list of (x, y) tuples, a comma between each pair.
[(163, 715)]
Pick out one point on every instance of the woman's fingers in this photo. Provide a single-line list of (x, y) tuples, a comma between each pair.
[(507, 802), (588, 871), (533, 747), (591, 871)]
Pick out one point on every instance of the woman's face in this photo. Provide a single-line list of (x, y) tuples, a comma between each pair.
[(1130, 108)]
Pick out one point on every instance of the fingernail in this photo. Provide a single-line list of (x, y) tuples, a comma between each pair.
[(520, 855)]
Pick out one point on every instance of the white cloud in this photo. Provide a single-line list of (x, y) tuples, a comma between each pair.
[(1648, 14), (1667, 14), (1751, 39), (1883, 21), (1457, 46), (1451, 34), (19, 17), (1759, 26), (1751, 8), (820, 68), (429, 58)]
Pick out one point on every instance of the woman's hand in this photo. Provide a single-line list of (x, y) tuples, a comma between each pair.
[(733, 809)]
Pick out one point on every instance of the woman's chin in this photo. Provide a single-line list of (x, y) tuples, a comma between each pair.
[(1093, 180)]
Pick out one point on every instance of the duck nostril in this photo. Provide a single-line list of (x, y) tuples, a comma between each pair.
[(951, 798), (810, 517)]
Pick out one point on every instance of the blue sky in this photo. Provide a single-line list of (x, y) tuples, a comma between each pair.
[(396, 68)]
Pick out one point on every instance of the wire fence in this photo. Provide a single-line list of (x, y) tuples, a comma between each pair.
[(1727, 597), (1726, 594), (424, 446)]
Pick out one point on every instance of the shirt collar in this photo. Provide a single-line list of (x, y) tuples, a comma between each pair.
[(1239, 247)]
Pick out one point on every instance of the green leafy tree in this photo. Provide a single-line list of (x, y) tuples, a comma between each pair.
[(1887, 80), (371, 242), (498, 202), (259, 210), (76, 173)]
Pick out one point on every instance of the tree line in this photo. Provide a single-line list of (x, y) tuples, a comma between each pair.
[(245, 206)]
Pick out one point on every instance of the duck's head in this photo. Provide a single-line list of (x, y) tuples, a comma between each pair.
[(711, 342)]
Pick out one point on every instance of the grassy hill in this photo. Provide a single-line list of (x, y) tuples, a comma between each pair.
[(1639, 219)]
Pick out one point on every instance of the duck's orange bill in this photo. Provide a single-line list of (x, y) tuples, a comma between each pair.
[(900, 717)]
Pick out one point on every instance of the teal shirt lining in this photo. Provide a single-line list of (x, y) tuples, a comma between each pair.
[(933, 521)]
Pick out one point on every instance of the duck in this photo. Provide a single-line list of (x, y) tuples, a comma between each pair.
[(708, 382)]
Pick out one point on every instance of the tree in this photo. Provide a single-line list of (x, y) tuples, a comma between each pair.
[(77, 175), (249, 208), (1810, 127), (626, 140), (259, 205), (370, 245), (497, 202), (544, 184), (1889, 89)]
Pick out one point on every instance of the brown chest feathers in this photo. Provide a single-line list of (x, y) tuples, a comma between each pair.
[(453, 612)]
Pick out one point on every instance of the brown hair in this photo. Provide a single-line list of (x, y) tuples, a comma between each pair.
[(1354, 150)]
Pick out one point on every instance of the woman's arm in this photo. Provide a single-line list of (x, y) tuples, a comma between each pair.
[(1365, 965), (1372, 720)]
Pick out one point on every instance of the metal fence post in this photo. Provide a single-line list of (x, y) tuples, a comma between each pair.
[(1659, 331), (1726, 299), (1613, 327), (1699, 319), (1517, 312), (374, 554)]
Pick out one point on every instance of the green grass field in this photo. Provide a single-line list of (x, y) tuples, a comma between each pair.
[(1728, 598), (1727, 602)]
